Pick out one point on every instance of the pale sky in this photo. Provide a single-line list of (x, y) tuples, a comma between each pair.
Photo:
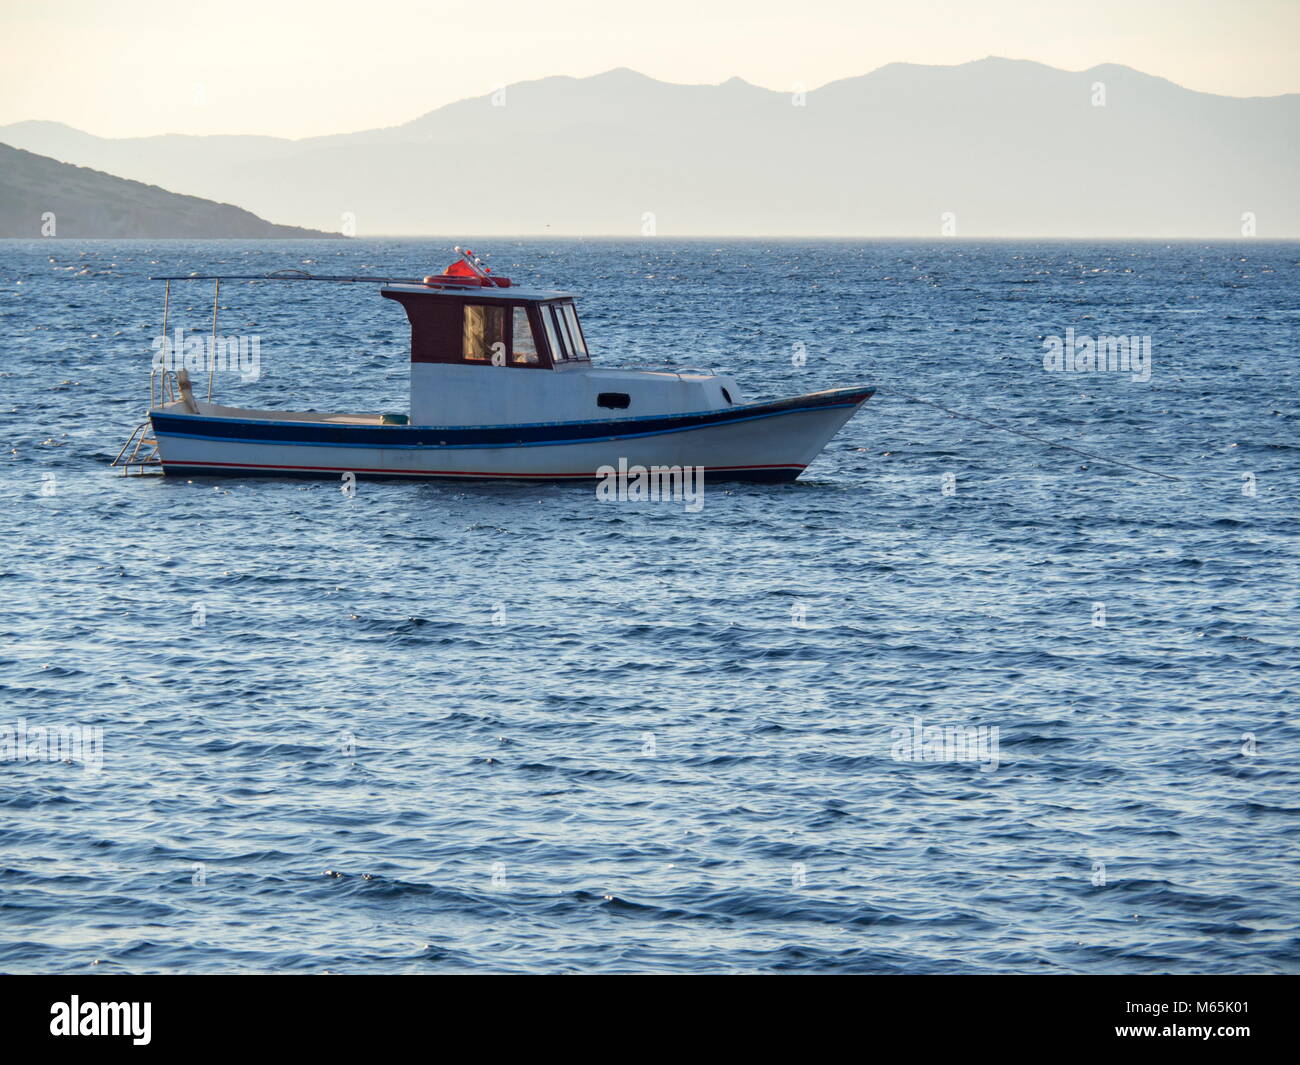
[(294, 69)]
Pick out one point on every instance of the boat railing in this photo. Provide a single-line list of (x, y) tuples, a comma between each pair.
[(163, 388)]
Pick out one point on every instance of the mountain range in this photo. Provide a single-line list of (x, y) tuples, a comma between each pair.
[(997, 147)]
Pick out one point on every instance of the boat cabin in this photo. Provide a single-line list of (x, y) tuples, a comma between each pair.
[(471, 332), (497, 326)]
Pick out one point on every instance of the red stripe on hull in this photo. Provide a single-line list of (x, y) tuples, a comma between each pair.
[(448, 473)]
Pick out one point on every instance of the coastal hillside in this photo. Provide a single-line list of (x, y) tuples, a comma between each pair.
[(40, 196)]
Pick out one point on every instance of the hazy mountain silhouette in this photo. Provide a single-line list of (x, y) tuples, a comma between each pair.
[(79, 202), (1010, 148)]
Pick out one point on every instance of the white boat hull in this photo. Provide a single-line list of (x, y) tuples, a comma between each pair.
[(766, 441)]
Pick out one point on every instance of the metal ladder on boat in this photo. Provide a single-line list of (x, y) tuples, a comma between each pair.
[(139, 455)]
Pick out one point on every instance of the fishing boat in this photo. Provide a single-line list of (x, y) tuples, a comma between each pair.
[(502, 386)]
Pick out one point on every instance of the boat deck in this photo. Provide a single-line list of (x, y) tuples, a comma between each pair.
[(215, 410)]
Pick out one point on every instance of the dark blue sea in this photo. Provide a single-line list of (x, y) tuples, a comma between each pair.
[(451, 727)]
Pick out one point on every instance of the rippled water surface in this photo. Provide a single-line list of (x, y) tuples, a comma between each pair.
[(455, 727)]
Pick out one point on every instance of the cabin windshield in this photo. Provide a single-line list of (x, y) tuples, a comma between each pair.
[(563, 331)]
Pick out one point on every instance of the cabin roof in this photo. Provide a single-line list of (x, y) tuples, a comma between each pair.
[(513, 294)]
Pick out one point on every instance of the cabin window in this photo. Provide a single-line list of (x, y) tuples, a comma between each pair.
[(577, 345), (558, 351), (523, 348), (484, 327), (614, 400)]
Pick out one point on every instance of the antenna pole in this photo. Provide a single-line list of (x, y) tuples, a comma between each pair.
[(167, 297), (212, 351)]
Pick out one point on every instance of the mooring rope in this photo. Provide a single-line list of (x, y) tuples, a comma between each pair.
[(1028, 436)]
